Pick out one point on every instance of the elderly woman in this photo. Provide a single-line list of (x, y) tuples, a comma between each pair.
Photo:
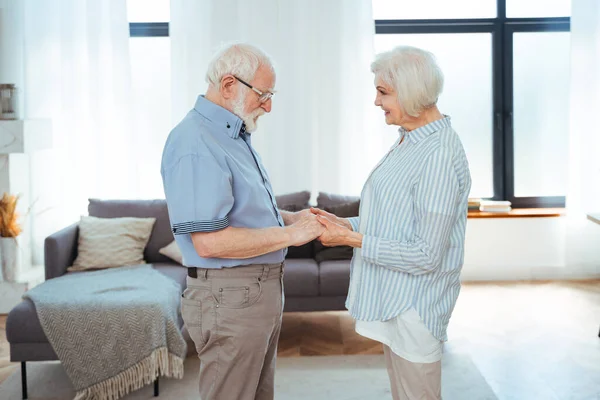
[(410, 234)]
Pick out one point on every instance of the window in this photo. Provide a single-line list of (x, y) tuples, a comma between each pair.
[(541, 118), (506, 64), (150, 57), (537, 8), (467, 95), (148, 18), (433, 9), (148, 11)]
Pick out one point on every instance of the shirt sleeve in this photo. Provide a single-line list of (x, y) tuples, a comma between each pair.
[(435, 215), (199, 195), (354, 222)]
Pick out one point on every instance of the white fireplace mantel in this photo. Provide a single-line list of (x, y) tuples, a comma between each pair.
[(18, 140), (25, 136)]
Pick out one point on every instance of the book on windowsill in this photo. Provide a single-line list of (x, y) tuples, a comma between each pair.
[(495, 206), (474, 203)]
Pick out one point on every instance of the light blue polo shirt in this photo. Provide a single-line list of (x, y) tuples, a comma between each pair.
[(213, 178)]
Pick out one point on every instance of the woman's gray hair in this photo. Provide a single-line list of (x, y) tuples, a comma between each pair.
[(414, 74), (239, 59)]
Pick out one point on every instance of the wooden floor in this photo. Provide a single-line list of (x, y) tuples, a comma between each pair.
[(525, 338), (322, 333)]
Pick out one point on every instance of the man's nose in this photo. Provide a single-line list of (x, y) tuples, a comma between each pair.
[(267, 105)]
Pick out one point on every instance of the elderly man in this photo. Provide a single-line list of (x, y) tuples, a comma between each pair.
[(232, 236)]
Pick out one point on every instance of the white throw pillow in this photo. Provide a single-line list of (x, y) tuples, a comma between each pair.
[(111, 242), (172, 251)]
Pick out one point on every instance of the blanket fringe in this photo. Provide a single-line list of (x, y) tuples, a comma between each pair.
[(159, 363)]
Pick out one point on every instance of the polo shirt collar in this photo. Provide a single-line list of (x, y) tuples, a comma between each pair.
[(230, 123)]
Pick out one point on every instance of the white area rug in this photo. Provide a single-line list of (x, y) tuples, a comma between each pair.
[(315, 378)]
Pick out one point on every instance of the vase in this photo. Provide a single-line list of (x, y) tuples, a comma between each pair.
[(10, 258)]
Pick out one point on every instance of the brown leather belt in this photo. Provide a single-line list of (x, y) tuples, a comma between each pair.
[(193, 272)]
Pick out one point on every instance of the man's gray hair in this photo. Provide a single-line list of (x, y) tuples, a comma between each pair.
[(414, 74), (239, 59)]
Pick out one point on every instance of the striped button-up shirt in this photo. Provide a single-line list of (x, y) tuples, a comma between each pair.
[(414, 234)]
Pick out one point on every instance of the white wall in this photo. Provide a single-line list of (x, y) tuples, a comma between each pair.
[(496, 249), (531, 248)]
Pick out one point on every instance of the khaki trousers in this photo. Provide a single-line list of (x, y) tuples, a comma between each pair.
[(233, 316), (413, 381)]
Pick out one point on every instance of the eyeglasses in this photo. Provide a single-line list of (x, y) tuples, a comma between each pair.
[(263, 96)]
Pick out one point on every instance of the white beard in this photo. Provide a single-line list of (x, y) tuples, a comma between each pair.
[(248, 118)]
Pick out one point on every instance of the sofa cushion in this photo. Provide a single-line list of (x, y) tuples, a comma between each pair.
[(323, 253), (174, 271), (111, 242), (345, 210), (301, 277), (173, 252), (334, 277), (161, 232), (329, 199), (23, 325), (304, 251), (293, 201)]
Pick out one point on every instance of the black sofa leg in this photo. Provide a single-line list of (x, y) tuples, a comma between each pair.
[(156, 387), (24, 379)]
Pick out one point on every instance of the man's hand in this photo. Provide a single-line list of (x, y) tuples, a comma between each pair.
[(331, 217), (290, 218), (298, 215), (305, 229)]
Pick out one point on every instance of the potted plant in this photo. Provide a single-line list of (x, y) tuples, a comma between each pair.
[(9, 231)]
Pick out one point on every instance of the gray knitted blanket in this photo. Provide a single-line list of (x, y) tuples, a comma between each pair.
[(114, 330)]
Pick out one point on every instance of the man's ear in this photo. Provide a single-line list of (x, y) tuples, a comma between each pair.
[(228, 87)]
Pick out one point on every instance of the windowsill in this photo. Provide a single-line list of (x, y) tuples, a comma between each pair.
[(594, 218), (520, 213)]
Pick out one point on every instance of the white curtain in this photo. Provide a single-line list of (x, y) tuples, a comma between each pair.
[(77, 72), (583, 236), (323, 133)]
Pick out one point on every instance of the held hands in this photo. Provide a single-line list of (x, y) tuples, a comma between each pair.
[(298, 215), (337, 230), (331, 217), (328, 228), (305, 228)]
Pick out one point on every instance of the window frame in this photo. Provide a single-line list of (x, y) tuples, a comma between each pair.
[(501, 28), (148, 29)]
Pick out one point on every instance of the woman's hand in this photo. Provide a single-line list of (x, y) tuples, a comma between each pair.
[(338, 235), (331, 217)]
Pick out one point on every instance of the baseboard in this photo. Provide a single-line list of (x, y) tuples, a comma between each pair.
[(527, 273)]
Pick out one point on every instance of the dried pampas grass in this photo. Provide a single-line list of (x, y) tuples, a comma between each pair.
[(9, 225)]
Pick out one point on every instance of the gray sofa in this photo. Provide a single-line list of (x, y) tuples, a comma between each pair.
[(309, 285)]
